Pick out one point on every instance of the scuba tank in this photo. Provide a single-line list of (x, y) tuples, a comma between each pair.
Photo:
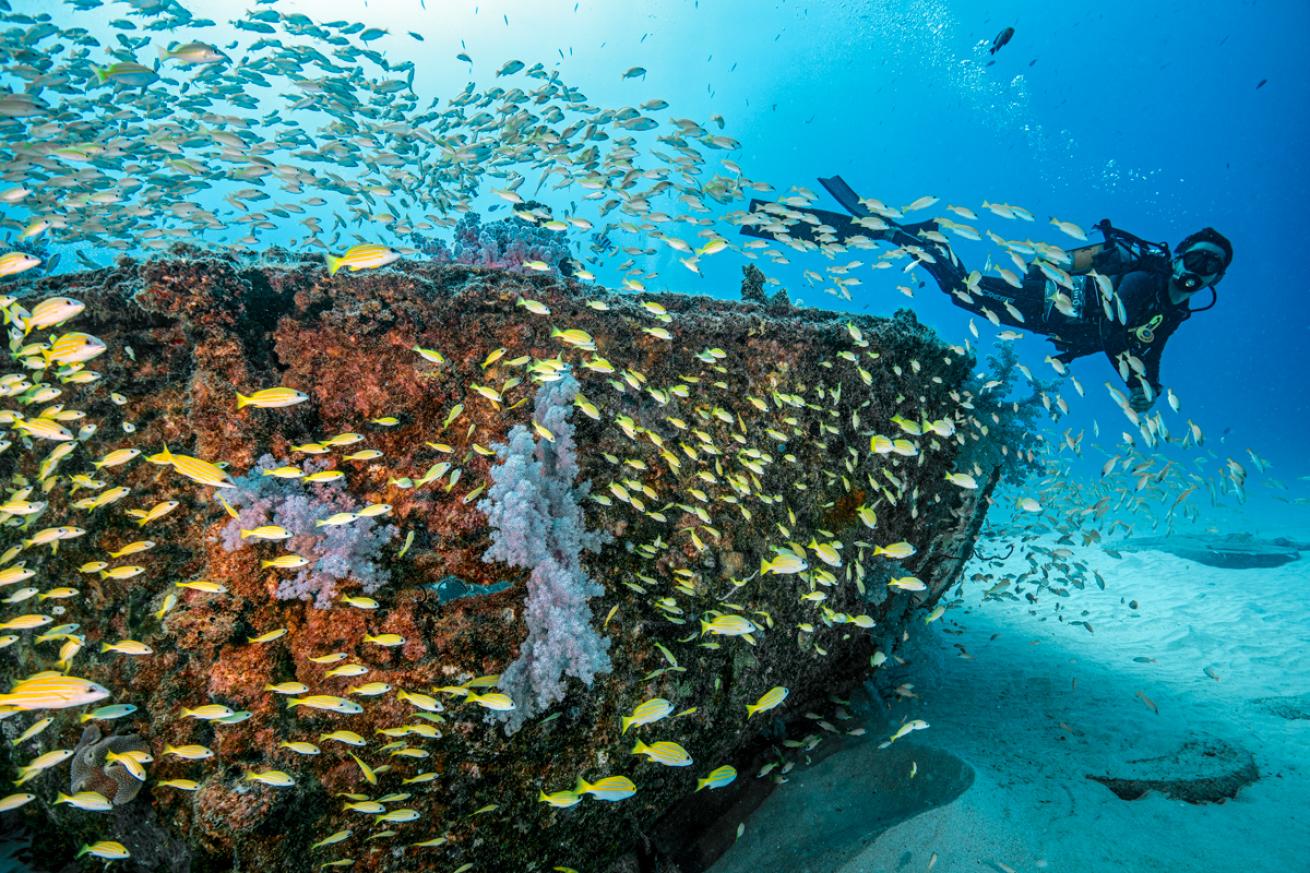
[(1133, 252), (1144, 255)]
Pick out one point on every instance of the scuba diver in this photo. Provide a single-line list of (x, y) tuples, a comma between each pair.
[(1124, 296)]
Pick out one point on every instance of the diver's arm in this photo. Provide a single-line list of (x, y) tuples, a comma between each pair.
[(1150, 357), (1146, 338), (1138, 397)]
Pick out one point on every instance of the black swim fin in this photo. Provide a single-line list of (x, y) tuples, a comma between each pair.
[(843, 194), (840, 224)]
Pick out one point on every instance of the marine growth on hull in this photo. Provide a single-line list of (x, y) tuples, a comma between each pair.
[(228, 542), (419, 548)]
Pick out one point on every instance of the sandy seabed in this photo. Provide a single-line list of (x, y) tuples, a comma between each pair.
[(1037, 705)]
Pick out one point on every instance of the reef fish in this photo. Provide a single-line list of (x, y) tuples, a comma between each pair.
[(366, 256), (771, 698), (651, 711), (127, 74), (271, 398), (1001, 39), (611, 788), (717, 778), (51, 690), (666, 752)]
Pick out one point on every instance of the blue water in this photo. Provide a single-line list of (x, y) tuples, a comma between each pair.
[(1163, 117), (1144, 113), (1149, 115)]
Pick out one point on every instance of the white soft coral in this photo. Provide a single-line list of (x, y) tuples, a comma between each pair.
[(537, 523)]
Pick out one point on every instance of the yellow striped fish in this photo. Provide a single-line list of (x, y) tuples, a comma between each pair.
[(51, 690), (368, 256), (194, 469), (666, 752)]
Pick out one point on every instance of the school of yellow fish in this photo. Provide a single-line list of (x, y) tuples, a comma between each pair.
[(714, 479)]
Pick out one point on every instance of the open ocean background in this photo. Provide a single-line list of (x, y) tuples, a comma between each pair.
[(1145, 113)]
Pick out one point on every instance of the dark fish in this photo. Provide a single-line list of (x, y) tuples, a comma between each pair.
[(254, 26), (1261, 84), (1001, 39)]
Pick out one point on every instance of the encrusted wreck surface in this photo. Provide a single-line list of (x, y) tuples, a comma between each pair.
[(721, 458)]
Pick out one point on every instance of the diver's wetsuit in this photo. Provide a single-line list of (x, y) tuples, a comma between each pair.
[(1141, 283)]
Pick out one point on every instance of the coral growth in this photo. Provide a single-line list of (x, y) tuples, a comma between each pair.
[(337, 552), (201, 327), (753, 281), (537, 523), (1012, 443), (89, 771), (506, 243), (752, 284)]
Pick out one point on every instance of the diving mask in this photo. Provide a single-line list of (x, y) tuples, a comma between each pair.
[(1201, 265)]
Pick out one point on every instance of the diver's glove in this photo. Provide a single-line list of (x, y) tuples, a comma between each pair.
[(1139, 401)]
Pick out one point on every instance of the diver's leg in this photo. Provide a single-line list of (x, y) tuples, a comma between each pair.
[(776, 222), (996, 297), (935, 258), (771, 221), (844, 194)]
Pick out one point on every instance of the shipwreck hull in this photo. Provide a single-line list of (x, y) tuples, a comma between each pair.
[(185, 334)]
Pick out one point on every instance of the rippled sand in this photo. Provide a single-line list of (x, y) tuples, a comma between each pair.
[(1041, 705)]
